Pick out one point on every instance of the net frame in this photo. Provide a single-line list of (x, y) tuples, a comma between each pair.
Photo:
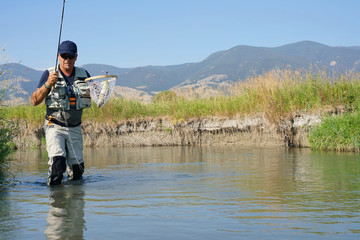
[(101, 88)]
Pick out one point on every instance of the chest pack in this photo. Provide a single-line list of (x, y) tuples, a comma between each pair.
[(65, 97)]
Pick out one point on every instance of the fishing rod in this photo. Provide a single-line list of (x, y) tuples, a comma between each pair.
[(62, 18)]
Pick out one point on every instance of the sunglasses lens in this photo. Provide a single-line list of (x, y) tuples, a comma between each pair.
[(66, 56)]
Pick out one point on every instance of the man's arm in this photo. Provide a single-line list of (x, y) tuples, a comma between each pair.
[(39, 95), (43, 89)]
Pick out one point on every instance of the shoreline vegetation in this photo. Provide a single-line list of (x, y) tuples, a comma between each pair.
[(7, 128), (321, 108)]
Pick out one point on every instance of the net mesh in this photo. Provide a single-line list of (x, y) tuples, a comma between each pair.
[(101, 88)]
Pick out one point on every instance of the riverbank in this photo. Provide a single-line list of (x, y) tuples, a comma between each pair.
[(277, 108), (255, 130)]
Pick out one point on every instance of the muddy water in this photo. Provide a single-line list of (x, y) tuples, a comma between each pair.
[(222, 192)]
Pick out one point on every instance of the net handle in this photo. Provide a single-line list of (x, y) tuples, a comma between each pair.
[(100, 76)]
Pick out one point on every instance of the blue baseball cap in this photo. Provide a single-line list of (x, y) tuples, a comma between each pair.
[(68, 47)]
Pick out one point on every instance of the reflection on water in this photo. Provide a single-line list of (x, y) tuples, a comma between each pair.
[(66, 213), (188, 193)]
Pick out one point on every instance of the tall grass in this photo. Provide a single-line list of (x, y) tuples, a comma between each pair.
[(32, 115), (278, 93), (275, 93)]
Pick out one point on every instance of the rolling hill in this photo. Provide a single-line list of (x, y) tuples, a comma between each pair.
[(231, 65)]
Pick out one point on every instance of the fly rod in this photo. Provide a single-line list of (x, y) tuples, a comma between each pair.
[(62, 18)]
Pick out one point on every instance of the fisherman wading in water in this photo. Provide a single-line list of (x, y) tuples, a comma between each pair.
[(66, 94)]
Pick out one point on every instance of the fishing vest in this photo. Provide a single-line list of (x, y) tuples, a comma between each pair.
[(64, 103)]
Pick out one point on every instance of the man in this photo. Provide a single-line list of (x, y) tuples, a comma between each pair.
[(66, 94)]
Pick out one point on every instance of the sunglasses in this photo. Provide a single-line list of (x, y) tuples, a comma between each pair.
[(67, 56)]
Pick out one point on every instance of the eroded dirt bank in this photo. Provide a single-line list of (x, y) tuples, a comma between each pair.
[(248, 131)]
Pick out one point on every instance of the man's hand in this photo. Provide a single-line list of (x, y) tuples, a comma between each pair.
[(52, 79)]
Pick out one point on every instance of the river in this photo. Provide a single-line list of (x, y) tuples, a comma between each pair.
[(208, 192)]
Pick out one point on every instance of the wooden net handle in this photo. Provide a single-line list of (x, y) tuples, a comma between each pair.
[(101, 76)]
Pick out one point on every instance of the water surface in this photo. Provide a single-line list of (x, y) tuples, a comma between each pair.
[(223, 192)]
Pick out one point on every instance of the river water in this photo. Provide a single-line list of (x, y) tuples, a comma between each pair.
[(217, 192)]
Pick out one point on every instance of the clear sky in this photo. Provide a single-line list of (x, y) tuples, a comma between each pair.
[(134, 33)]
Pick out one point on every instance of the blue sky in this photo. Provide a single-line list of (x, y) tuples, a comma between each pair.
[(133, 33)]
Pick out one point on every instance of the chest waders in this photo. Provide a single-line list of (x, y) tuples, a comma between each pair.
[(64, 106)]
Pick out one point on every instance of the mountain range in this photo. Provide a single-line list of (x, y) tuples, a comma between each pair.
[(235, 64)]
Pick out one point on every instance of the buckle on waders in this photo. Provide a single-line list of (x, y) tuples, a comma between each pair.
[(49, 120)]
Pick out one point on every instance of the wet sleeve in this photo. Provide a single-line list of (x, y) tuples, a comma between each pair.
[(43, 78)]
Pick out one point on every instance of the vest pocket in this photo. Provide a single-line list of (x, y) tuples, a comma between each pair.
[(83, 102), (82, 88), (57, 99), (83, 99), (58, 104)]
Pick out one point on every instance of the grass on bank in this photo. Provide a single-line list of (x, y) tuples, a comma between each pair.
[(276, 93), (339, 133)]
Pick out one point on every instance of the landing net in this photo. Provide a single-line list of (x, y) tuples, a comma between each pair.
[(101, 88)]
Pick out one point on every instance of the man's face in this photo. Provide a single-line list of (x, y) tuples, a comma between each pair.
[(67, 61)]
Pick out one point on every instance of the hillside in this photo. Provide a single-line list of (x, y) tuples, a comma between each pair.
[(231, 65)]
